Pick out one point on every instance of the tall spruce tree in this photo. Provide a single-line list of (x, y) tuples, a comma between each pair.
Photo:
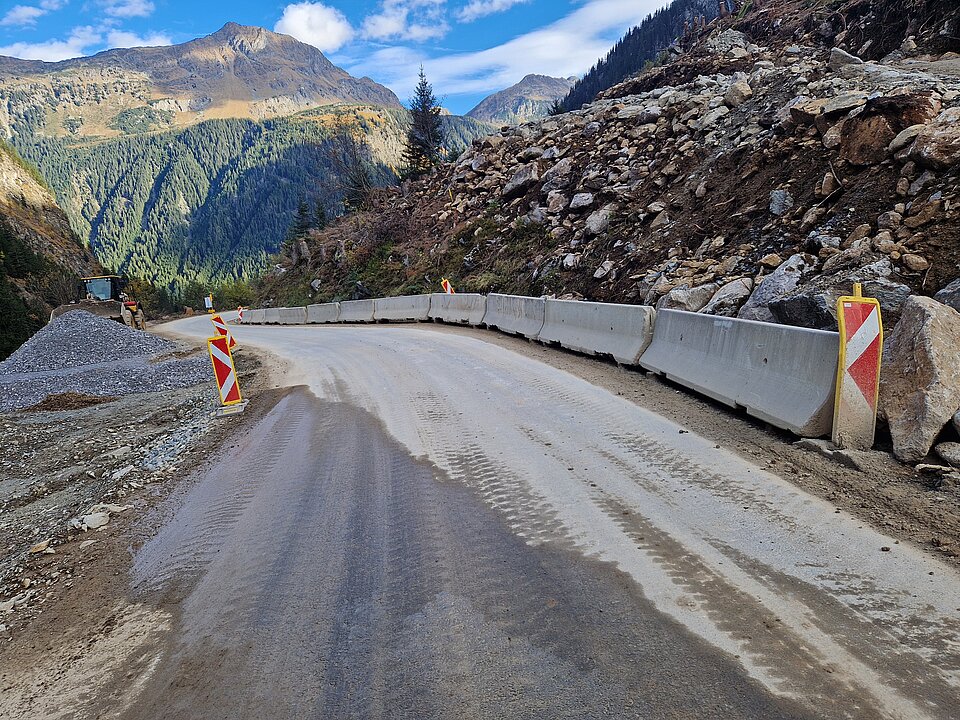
[(425, 135)]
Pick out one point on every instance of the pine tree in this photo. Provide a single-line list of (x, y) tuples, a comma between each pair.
[(301, 223), (320, 218), (425, 135)]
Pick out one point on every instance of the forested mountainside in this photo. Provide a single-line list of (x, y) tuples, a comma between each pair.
[(237, 72), (640, 46), (531, 98), (187, 162), (212, 201), (40, 256)]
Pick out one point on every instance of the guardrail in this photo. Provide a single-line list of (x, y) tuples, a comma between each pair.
[(781, 374)]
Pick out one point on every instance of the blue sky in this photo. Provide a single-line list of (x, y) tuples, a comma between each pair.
[(469, 48)]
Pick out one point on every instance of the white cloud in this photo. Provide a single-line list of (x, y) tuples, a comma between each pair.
[(76, 45), (317, 24), (569, 46), (415, 20), (124, 39), (26, 15), (481, 8), (128, 8), (22, 15)]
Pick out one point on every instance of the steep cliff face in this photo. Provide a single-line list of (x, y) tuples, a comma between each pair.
[(529, 99), (40, 256)]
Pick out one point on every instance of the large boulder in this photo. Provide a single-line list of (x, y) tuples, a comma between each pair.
[(728, 300), (920, 381), (524, 179), (814, 304), (780, 282), (938, 145), (689, 299), (950, 295)]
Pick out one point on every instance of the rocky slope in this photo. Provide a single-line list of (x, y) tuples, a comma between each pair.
[(237, 72), (40, 256), (529, 99), (756, 176)]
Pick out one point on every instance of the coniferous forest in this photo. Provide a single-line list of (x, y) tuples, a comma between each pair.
[(212, 202), (639, 46)]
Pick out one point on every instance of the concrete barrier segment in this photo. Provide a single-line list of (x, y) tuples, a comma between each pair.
[(323, 313), (293, 316), (515, 314), (781, 374), (621, 331), (467, 309), (408, 308), (356, 311)]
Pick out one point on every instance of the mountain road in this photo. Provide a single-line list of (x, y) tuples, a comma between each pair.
[(429, 525)]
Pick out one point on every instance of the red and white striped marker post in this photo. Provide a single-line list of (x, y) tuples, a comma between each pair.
[(220, 328), (231, 401), (240, 313), (447, 287), (858, 376)]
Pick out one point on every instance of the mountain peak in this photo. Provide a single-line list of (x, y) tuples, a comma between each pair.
[(245, 38), (528, 99)]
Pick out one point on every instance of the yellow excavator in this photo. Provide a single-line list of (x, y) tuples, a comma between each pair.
[(104, 296)]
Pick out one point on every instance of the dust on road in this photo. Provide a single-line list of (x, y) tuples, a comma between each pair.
[(320, 571)]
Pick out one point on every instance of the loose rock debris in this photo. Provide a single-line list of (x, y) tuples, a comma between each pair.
[(80, 355)]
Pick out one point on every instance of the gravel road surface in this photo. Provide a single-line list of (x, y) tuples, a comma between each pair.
[(444, 528)]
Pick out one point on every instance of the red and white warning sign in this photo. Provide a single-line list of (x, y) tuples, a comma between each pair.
[(447, 287), (224, 370), (858, 376), (240, 313), (220, 327)]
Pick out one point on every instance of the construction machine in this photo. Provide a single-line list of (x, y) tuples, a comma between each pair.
[(104, 296)]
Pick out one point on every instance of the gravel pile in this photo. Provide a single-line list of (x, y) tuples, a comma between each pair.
[(82, 353), (80, 338)]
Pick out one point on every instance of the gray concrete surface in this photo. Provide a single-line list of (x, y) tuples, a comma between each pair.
[(411, 308), (462, 308), (726, 584), (621, 331), (783, 375), (323, 313), (515, 314), (293, 316), (356, 311)]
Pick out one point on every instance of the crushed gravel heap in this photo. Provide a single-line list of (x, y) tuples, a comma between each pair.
[(82, 353), (80, 338)]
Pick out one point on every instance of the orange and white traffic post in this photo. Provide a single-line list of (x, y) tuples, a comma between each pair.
[(858, 375), (240, 313), (220, 328), (447, 287), (225, 372)]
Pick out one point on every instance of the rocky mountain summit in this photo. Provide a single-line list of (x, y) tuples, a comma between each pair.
[(237, 72), (529, 99), (752, 177)]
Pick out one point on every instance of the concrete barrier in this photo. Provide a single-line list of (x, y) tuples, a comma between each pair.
[(408, 308), (622, 331), (253, 317), (515, 314), (293, 316), (356, 311), (466, 309), (271, 316), (781, 374), (325, 313)]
